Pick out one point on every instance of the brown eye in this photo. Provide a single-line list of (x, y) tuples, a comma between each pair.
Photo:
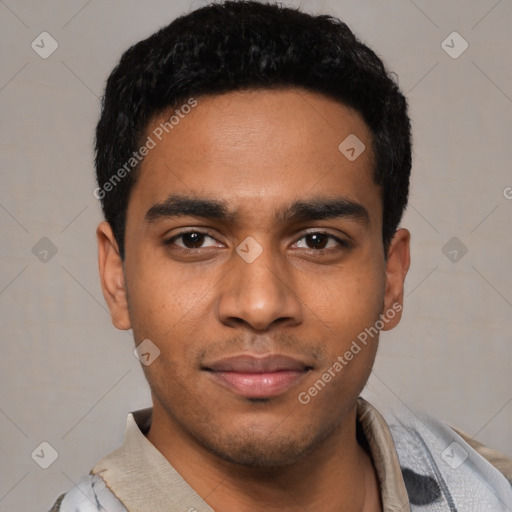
[(320, 241), (192, 240), (317, 240)]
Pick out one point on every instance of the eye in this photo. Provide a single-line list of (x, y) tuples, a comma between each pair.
[(192, 240), (320, 241)]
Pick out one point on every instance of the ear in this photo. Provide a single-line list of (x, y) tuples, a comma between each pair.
[(112, 276), (397, 265)]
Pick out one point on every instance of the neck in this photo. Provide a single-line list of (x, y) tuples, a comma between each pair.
[(337, 477)]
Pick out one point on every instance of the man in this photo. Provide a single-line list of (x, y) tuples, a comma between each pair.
[(253, 165)]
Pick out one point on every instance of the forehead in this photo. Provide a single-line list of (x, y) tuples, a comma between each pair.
[(264, 147)]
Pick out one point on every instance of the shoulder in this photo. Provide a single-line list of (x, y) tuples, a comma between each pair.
[(457, 473), (500, 461), (90, 494)]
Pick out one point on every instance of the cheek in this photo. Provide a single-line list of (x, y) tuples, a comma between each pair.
[(349, 308), (161, 296), (350, 349), (349, 301), (169, 308)]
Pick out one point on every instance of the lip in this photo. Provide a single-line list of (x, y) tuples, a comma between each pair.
[(258, 377)]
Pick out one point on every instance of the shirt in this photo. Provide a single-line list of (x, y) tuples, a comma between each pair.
[(140, 479)]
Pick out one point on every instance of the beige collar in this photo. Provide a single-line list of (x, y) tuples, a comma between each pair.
[(143, 480)]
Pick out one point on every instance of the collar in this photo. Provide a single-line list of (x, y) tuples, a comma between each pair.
[(143, 480)]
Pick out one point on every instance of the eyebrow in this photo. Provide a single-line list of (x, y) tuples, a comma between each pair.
[(314, 209)]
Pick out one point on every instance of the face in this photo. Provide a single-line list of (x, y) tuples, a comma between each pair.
[(254, 260)]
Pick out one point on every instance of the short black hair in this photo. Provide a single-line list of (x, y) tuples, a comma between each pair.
[(237, 45)]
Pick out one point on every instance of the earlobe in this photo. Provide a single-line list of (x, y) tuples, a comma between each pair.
[(112, 276), (397, 265)]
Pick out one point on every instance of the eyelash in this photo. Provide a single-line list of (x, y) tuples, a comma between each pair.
[(185, 250)]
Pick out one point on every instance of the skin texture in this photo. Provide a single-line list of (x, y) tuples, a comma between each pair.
[(304, 297)]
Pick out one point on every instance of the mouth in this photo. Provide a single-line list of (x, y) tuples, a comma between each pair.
[(258, 377)]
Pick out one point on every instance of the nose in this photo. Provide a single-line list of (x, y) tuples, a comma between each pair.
[(260, 294)]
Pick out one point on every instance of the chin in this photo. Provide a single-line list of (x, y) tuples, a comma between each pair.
[(263, 448)]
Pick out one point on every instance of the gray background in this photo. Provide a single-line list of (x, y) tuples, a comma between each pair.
[(69, 378)]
